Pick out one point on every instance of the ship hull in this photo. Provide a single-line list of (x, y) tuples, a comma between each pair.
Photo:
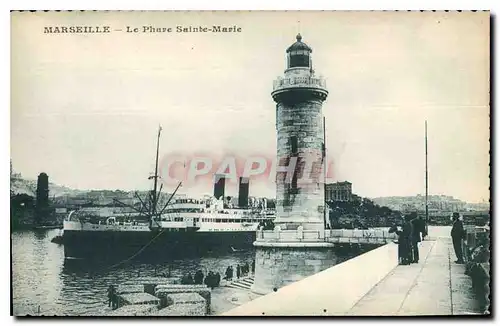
[(152, 245)]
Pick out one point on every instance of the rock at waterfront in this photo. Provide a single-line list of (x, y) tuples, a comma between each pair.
[(135, 310), (150, 283), (137, 299), (163, 291), (187, 309), (129, 288)]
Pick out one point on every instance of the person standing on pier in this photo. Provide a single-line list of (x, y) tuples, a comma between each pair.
[(457, 234), (238, 271), (404, 241), (198, 277), (209, 280), (111, 294), (417, 231), (407, 240), (112, 297), (217, 279), (402, 230)]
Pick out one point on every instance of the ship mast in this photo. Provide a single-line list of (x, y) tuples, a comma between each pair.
[(426, 182), (151, 202), (155, 177)]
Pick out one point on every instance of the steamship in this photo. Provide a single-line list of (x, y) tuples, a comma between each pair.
[(182, 226)]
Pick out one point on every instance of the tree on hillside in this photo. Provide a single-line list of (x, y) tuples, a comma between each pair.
[(359, 214)]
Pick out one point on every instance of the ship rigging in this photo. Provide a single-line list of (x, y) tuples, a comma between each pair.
[(149, 206)]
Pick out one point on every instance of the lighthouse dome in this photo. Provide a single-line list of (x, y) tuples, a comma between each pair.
[(299, 45), (299, 54)]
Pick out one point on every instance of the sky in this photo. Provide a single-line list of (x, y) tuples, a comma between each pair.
[(85, 109)]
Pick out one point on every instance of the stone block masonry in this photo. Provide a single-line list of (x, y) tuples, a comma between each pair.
[(129, 288), (135, 310), (137, 299), (276, 267), (300, 134), (184, 298), (149, 283), (164, 291), (168, 299), (185, 309)]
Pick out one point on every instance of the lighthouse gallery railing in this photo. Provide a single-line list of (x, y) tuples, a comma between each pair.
[(299, 82)]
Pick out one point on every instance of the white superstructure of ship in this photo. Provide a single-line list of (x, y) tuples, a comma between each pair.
[(183, 214)]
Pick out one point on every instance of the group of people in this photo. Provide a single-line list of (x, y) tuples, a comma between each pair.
[(211, 280), (411, 231), (266, 225), (240, 270)]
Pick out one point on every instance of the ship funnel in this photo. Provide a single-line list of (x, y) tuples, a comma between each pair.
[(243, 192), (219, 185)]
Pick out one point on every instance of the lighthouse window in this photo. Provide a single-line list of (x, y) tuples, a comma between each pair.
[(299, 60)]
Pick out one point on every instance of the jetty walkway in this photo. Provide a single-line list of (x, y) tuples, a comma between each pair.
[(373, 284)]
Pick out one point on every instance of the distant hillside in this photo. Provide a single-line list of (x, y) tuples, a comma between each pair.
[(19, 185), (436, 202)]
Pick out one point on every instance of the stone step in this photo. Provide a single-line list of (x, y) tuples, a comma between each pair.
[(239, 286), (246, 279), (246, 282), (240, 282)]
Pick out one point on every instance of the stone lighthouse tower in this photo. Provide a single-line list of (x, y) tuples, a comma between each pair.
[(296, 248), (299, 98)]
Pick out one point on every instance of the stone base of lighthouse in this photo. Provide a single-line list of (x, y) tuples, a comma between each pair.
[(279, 264)]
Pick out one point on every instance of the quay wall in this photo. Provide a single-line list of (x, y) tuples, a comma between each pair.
[(333, 291), (276, 267)]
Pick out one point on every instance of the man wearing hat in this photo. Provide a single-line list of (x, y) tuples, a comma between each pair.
[(417, 228), (457, 234)]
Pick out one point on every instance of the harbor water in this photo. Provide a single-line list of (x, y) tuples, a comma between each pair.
[(43, 282)]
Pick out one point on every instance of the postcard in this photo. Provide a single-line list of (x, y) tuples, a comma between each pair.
[(250, 163)]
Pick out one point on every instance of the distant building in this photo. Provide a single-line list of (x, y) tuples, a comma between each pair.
[(339, 191)]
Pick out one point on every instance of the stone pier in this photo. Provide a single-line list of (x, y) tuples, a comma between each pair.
[(373, 284)]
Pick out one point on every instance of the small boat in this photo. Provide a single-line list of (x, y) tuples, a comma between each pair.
[(236, 250), (59, 239)]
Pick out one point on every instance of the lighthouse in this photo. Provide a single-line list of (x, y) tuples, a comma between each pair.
[(299, 97), (297, 247)]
